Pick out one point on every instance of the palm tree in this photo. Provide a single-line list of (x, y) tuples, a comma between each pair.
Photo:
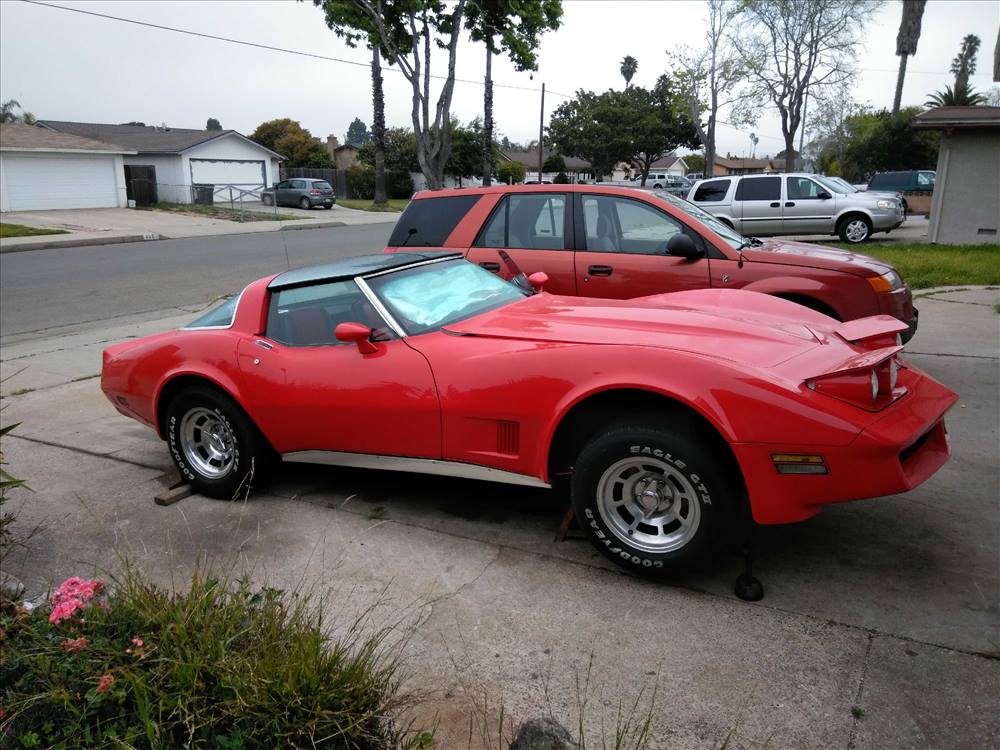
[(629, 66), (378, 122), (7, 110), (964, 63), (906, 42), (960, 96)]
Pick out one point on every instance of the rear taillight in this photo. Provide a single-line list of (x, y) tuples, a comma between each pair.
[(315, 192), (871, 388)]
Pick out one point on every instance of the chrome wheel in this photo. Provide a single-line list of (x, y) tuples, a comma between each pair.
[(649, 504), (208, 443), (856, 230)]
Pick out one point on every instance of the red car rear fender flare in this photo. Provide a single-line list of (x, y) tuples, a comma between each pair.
[(808, 292), (176, 382), (583, 415)]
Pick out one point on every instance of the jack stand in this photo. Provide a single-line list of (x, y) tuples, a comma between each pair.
[(748, 588)]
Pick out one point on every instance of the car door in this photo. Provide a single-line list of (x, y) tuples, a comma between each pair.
[(308, 391), (806, 211), (534, 228), (281, 192), (622, 250), (758, 204)]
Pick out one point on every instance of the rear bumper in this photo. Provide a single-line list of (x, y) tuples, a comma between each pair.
[(903, 448)]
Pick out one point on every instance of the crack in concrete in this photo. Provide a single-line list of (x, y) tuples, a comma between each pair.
[(84, 451), (856, 709)]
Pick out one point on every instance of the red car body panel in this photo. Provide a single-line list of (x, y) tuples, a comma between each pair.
[(837, 279), (491, 390)]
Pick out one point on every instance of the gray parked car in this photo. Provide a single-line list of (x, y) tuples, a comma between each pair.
[(303, 192), (798, 203)]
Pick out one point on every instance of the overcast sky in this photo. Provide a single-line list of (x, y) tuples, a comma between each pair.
[(66, 66)]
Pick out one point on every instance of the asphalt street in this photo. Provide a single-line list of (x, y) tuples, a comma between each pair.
[(79, 286)]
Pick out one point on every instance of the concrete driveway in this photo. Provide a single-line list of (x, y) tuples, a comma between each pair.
[(880, 627)]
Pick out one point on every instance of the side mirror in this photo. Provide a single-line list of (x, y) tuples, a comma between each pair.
[(683, 246), (824, 196), (538, 280), (357, 333)]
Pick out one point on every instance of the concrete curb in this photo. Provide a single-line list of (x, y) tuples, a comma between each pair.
[(77, 242)]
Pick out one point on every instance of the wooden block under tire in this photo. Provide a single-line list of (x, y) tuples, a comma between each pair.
[(171, 496)]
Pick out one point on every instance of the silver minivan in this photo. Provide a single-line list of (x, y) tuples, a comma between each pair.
[(797, 203)]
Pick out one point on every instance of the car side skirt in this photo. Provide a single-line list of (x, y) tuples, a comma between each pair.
[(415, 465)]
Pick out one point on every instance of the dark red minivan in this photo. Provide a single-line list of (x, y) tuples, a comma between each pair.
[(617, 242)]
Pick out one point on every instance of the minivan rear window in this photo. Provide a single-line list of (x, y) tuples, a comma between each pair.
[(759, 189), (712, 191), (428, 222)]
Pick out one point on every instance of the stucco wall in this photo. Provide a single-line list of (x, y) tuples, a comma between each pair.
[(170, 184), (966, 204)]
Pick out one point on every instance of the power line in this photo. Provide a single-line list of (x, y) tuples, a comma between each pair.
[(269, 47)]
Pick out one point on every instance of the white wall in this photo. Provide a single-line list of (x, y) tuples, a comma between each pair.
[(231, 147)]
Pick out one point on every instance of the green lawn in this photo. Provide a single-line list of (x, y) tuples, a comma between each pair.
[(219, 212), (19, 230), (924, 266), (394, 204)]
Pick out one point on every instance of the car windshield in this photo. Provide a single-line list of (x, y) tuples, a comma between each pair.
[(425, 298), (730, 235), (837, 184)]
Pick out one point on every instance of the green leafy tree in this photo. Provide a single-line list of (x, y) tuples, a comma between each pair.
[(555, 163), (213, 124), (291, 140), (878, 142), (400, 151), (357, 133), (695, 163), (514, 27), (628, 68), (511, 172), (906, 42), (635, 125)]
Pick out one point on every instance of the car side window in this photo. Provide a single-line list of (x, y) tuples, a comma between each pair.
[(533, 221), (620, 225), (802, 188), (299, 184), (712, 191), (759, 189), (308, 315), (924, 179), (284, 185)]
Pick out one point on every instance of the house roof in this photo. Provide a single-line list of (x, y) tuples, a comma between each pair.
[(145, 138), (17, 137), (666, 162), (530, 159), (941, 118)]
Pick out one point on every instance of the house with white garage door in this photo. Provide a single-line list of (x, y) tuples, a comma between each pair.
[(42, 169), (168, 164)]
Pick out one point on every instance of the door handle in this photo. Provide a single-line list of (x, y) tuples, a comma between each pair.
[(776, 204), (789, 204), (489, 266), (599, 270)]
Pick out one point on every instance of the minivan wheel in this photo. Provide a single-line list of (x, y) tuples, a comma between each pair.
[(854, 229)]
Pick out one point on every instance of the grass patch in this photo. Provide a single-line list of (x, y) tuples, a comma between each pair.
[(219, 212), (217, 665), (923, 266), (394, 204), (19, 230)]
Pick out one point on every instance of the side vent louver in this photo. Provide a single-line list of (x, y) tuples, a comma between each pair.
[(507, 437)]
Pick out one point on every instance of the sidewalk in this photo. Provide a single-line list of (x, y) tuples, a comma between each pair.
[(105, 226)]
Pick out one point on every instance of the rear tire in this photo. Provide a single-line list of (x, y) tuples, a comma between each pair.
[(652, 500), (854, 229), (304, 204), (215, 445)]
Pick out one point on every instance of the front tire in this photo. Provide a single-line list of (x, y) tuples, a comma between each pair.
[(854, 229), (214, 444), (652, 500), (267, 200)]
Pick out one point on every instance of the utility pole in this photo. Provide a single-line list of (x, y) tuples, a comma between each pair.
[(541, 128)]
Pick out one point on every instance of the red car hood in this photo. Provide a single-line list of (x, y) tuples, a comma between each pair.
[(745, 327), (791, 253)]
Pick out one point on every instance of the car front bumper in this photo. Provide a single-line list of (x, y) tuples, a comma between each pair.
[(902, 448), (884, 221)]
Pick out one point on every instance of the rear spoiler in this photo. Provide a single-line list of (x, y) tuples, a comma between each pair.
[(873, 332)]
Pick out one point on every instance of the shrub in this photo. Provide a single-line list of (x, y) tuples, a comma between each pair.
[(361, 181), (511, 172), (560, 179), (217, 666), (399, 184)]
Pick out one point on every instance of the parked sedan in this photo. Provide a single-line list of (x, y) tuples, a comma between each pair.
[(771, 205), (300, 191), (672, 416)]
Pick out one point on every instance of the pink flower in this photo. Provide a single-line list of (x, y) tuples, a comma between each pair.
[(73, 594), (137, 642), (64, 610), (72, 645), (104, 683)]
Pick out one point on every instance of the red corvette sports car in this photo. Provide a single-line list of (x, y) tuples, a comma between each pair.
[(671, 417)]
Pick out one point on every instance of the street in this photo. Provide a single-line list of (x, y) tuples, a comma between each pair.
[(79, 286)]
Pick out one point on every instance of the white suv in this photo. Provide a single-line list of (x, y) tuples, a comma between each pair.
[(798, 203)]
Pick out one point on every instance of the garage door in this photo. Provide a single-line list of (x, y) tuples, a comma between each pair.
[(246, 175), (60, 182)]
